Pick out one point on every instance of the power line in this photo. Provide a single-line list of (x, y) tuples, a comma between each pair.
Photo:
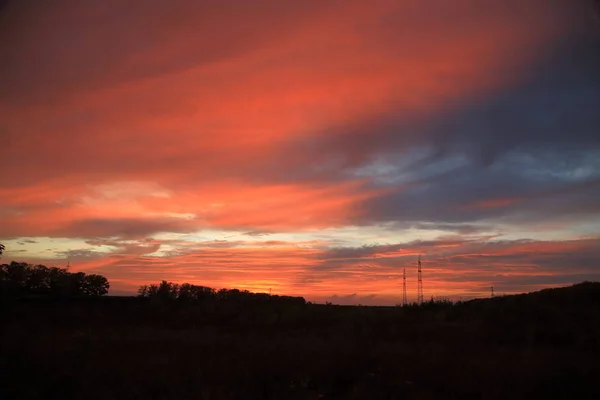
[(404, 302), (419, 282)]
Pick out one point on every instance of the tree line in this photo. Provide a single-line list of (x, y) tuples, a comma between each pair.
[(23, 279), (188, 292)]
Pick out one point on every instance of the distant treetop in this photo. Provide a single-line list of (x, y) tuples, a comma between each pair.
[(187, 292)]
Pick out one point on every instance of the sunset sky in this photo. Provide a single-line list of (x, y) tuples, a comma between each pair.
[(312, 147)]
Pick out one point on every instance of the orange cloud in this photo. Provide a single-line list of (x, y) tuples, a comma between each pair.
[(94, 210)]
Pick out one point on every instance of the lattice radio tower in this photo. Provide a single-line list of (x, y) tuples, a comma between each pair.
[(420, 282), (404, 302)]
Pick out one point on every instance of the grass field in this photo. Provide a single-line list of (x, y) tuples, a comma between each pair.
[(541, 345)]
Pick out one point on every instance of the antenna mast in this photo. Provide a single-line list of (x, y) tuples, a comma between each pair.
[(420, 282), (404, 302)]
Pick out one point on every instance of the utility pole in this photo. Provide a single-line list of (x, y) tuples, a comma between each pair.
[(404, 302), (492, 291), (419, 282)]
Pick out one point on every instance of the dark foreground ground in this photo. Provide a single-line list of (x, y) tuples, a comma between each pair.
[(541, 345)]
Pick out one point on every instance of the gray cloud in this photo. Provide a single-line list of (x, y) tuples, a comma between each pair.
[(480, 255), (126, 228), (257, 233), (536, 142), (80, 254)]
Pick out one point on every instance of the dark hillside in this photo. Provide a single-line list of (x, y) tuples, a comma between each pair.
[(536, 345)]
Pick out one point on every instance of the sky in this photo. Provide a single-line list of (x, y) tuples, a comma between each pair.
[(311, 148)]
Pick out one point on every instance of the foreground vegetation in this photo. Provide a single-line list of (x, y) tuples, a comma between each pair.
[(261, 347)]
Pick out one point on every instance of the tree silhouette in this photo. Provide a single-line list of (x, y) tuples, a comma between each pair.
[(2, 248), (38, 279), (143, 291), (152, 290), (18, 278), (167, 290), (185, 292), (95, 285)]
